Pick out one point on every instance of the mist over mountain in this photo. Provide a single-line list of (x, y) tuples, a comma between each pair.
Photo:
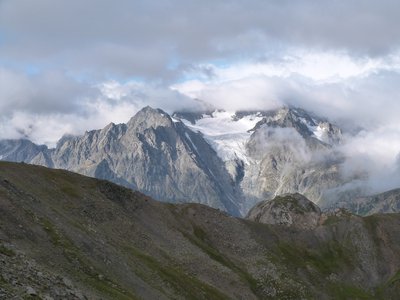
[(369, 137)]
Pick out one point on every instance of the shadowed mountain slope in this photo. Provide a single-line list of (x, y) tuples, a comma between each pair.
[(66, 236)]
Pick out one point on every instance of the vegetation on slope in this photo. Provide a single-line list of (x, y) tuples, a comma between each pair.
[(63, 235)]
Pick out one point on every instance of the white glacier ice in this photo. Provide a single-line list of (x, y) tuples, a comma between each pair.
[(225, 133)]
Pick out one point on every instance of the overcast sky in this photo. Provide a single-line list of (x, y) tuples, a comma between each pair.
[(71, 66)]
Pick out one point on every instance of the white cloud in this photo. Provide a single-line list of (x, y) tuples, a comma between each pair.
[(332, 84), (136, 38), (318, 66), (362, 96), (44, 107), (246, 94)]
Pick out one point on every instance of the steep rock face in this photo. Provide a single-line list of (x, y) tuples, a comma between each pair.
[(155, 155), (291, 210), (24, 151), (307, 125), (268, 153), (292, 152)]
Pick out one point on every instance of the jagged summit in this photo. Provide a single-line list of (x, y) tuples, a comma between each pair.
[(305, 123), (289, 117), (66, 137), (149, 117)]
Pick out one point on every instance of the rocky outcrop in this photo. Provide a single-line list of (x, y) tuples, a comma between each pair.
[(291, 210)]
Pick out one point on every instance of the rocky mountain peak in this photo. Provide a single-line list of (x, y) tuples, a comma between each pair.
[(109, 127), (19, 150), (309, 126), (287, 117), (64, 139), (150, 117), (291, 210), (113, 130)]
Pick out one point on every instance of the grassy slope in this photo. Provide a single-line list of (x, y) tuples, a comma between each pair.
[(111, 243)]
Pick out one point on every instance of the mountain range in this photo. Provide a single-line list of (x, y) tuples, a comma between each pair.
[(226, 160)]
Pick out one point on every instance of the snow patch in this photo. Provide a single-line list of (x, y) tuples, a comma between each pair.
[(316, 128), (320, 133), (175, 120), (226, 134), (191, 142)]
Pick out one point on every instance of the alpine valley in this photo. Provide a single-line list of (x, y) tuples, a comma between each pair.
[(226, 160)]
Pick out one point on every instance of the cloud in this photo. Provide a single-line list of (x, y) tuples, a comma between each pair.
[(361, 96), (374, 152), (348, 90), (45, 106), (40, 94), (143, 94), (153, 38), (49, 128), (245, 94), (275, 139)]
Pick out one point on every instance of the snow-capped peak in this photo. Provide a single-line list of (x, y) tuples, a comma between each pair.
[(228, 132)]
